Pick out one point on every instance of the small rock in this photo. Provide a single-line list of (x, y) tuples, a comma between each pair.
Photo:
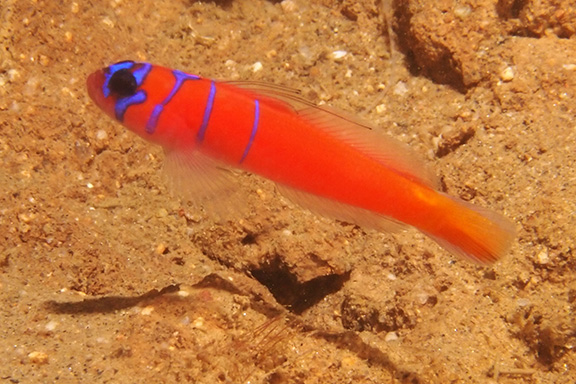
[(462, 11), (198, 323), (257, 66), (543, 258), (338, 55), (507, 74), (289, 6), (400, 89), (147, 311), (391, 336), (38, 357)]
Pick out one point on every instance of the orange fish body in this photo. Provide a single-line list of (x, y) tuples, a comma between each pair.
[(325, 161)]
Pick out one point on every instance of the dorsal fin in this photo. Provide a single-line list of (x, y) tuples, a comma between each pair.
[(354, 131), (291, 96), (380, 147)]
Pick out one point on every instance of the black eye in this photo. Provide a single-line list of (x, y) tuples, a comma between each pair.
[(123, 83)]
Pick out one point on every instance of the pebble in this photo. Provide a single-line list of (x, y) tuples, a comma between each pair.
[(38, 357), (101, 134), (147, 311), (198, 323), (107, 22), (51, 325), (462, 11), (507, 74), (257, 66), (160, 249), (13, 74), (400, 89), (381, 108), (44, 60), (391, 336), (338, 55), (289, 6), (543, 257)]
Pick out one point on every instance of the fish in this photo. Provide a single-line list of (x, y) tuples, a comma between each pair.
[(323, 159)]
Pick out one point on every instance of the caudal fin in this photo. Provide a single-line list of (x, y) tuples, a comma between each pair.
[(476, 233)]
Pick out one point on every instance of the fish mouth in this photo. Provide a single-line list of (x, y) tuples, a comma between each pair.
[(94, 84)]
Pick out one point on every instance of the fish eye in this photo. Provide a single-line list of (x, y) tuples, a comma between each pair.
[(123, 83)]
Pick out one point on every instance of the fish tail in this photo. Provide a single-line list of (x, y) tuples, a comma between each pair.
[(475, 233)]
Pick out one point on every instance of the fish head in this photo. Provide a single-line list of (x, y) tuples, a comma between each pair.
[(119, 87), (134, 94)]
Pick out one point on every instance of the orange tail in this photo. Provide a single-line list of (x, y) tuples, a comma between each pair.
[(475, 233)]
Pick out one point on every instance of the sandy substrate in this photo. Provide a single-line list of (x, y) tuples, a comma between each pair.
[(108, 276)]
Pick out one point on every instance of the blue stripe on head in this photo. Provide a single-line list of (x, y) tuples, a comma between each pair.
[(132, 75), (153, 120), (181, 77), (139, 72), (142, 70), (110, 71), (207, 112), (254, 129), (125, 102)]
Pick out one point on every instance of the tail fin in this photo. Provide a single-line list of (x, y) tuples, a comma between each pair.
[(476, 233)]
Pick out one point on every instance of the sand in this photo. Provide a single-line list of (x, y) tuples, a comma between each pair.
[(107, 275)]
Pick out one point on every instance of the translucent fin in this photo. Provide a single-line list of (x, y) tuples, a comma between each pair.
[(290, 96), (205, 183), (484, 236), (382, 148), (354, 131), (340, 211)]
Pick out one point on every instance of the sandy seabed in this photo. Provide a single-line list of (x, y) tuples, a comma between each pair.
[(108, 276)]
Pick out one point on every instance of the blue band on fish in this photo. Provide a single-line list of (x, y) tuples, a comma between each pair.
[(254, 129), (207, 112), (181, 77), (125, 102)]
